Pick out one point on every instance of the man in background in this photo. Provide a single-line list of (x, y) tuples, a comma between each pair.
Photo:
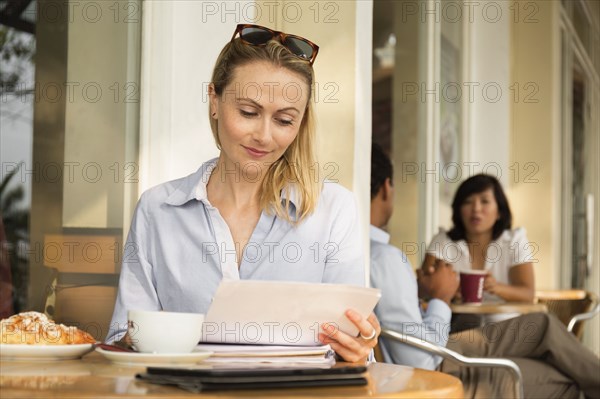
[(393, 274)]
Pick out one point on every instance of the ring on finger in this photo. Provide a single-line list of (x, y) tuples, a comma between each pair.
[(373, 335)]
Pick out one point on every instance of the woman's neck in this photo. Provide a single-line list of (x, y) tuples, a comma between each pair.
[(478, 245), (230, 183), (480, 239)]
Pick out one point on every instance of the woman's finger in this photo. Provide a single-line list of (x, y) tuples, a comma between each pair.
[(374, 322), (359, 353), (367, 329), (335, 335), (348, 355), (352, 348)]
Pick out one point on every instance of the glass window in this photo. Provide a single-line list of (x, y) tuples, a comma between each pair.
[(74, 158), (401, 93), (451, 90), (581, 23), (396, 104), (17, 70)]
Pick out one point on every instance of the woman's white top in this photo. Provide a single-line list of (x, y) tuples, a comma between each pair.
[(179, 248), (510, 249)]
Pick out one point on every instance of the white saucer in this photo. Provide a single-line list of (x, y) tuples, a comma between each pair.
[(43, 352), (145, 359)]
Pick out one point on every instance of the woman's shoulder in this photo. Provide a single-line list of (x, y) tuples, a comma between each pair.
[(334, 195), (332, 190), (162, 191), (177, 191), (518, 234), (441, 236)]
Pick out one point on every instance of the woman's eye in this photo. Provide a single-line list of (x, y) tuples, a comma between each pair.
[(247, 114), (286, 122)]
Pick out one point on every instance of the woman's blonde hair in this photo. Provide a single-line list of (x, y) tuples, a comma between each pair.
[(294, 171)]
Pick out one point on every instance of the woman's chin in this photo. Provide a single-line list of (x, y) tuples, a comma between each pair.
[(479, 230)]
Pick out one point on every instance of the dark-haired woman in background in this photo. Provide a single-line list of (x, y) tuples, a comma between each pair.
[(482, 239)]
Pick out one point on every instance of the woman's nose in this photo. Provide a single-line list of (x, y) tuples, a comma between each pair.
[(263, 131)]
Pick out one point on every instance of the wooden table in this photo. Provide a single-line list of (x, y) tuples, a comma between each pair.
[(472, 315), (95, 377), (498, 308)]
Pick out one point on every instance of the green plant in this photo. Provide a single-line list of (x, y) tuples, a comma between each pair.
[(16, 54)]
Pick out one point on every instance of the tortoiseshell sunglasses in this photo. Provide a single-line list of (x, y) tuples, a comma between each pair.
[(257, 35)]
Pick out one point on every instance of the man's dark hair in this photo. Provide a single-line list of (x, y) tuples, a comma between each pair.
[(381, 169), (474, 185)]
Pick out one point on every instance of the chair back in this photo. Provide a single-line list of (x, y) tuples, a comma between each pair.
[(565, 304), (378, 353)]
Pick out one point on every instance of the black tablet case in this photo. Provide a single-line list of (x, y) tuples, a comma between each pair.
[(231, 379)]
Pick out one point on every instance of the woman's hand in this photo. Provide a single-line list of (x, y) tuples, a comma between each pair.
[(490, 284), (520, 288), (352, 349)]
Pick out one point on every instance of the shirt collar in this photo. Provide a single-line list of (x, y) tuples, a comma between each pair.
[(505, 236), (378, 235), (194, 187), (291, 191)]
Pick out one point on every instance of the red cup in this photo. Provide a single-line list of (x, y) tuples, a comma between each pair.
[(471, 285)]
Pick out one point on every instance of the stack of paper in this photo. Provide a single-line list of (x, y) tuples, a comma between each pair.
[(280, 356), (277, 323)]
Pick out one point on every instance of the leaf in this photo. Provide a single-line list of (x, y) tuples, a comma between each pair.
[(10, 199), (8, 177)]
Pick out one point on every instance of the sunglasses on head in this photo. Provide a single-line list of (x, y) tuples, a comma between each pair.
[(257, 35)]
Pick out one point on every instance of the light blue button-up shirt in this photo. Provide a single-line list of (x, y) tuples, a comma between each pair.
[(179, 248), (399, 307)]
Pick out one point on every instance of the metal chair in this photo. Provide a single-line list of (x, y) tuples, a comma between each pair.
[(447, 354), (571, 307)]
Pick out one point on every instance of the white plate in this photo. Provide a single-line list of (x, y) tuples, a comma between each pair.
[(145, 359), (43, 352)]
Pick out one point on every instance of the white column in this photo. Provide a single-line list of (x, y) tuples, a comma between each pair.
[(180, 44), (362, 119), (489, 114)]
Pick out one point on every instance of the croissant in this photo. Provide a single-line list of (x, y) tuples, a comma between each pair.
[(33, 328)]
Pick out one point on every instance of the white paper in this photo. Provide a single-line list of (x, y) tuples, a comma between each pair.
[(282, 313), (282, 361), (223, 364), (227, 350)]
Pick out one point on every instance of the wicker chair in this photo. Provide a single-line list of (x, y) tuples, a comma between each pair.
[(455, 357), (570, 306)]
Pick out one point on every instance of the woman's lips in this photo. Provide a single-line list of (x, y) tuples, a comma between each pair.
[(255, 152)]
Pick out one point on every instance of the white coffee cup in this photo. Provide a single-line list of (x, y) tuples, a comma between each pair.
[(164, 332)]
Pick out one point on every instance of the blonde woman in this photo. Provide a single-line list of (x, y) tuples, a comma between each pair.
[(256, 211)]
